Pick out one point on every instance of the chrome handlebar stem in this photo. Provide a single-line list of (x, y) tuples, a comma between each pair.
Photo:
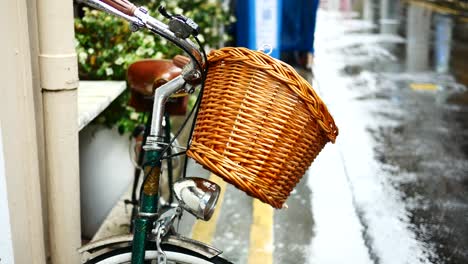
[(161, 95)]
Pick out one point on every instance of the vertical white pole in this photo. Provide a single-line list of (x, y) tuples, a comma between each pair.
[(384, 9), (368, 13), (384, 15), (59, 82), (418, 38), (389, 17)]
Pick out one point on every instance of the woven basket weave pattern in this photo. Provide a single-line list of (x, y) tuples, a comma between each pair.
[(260, 125)]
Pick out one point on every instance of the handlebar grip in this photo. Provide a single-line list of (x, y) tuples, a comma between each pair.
[(180, 61), (123, 6)]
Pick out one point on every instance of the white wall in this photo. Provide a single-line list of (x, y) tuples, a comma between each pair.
[(6, 247), (106, 172), (19, 172)]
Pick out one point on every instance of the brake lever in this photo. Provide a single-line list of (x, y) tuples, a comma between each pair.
[(164, 12), (182, 26)]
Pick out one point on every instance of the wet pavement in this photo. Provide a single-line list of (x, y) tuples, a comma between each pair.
[(404, 146)]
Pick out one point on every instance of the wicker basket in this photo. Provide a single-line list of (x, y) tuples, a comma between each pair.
[(260, 125)]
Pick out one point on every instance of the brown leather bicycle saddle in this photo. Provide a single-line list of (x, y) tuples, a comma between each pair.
[(146, 75)]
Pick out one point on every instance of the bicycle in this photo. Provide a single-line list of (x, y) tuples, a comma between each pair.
[(154, 236), (260, 134)]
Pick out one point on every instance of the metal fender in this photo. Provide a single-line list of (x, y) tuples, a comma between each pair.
[(192, 245), (98, 247)]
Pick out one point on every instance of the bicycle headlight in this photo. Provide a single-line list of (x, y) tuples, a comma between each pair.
[(197, 196)]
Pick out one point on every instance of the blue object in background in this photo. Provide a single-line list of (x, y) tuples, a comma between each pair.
[(259, 25), (443, 42), (298, 29)]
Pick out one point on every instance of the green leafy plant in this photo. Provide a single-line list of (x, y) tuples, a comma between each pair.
[(106, 47)]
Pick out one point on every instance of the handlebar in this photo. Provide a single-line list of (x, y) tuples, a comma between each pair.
[(123, 6), (139, 18)]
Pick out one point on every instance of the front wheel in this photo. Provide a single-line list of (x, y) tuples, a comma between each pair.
[(174, 255)]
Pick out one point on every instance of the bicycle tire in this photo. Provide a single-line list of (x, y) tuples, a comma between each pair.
[(174, 254)]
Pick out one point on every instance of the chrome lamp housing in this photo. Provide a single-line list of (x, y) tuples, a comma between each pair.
[(197, 196)]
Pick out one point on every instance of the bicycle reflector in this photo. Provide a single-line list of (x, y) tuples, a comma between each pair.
[(197, 196)]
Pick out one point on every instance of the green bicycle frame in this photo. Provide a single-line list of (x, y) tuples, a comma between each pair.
[(148, 206), (149, 197)]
